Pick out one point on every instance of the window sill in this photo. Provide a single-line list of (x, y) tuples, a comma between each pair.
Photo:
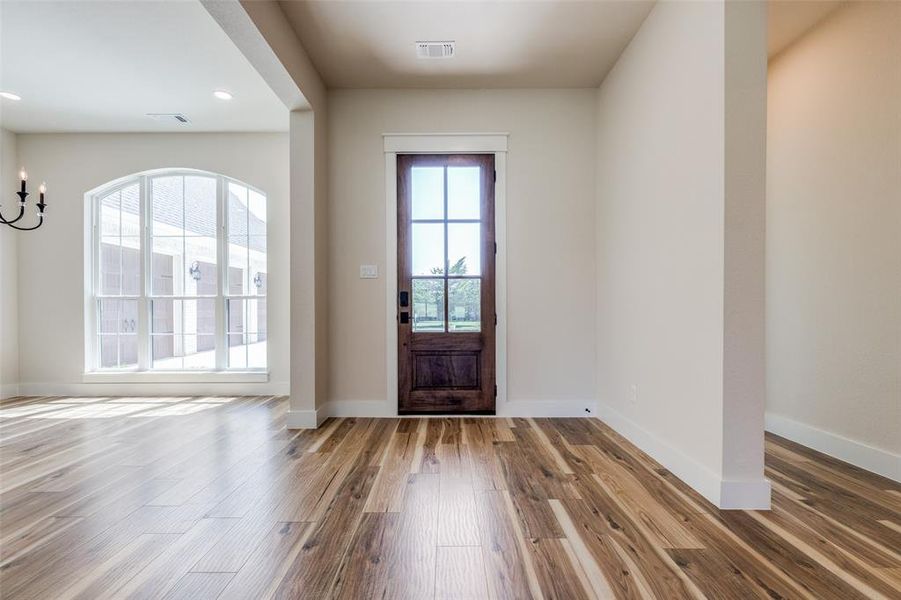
[(176, 377)]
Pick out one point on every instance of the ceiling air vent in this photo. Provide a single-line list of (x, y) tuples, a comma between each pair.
[(435, 49), (176, 118)]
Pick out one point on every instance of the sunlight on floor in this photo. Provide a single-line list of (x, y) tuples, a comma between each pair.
[(105, 407)]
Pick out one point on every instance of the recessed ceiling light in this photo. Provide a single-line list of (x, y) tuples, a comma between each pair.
[(222, 95), (10, 96)]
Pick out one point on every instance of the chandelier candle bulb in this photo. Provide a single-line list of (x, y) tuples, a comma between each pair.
[(23, 195)]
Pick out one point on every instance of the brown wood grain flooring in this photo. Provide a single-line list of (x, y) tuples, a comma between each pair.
[(203, 498)]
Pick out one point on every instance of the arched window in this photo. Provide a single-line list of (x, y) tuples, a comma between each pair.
[(179, 274)]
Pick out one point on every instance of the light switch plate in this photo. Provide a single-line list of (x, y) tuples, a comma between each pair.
[(369, 271)]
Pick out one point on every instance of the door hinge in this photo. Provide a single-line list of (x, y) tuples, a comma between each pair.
[(495, 248), (495, 176), (495, 390), (495, 319)]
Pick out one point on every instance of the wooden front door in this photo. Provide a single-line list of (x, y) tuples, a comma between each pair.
[(445, 279)]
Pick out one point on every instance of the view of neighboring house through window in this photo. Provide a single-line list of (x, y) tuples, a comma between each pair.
[(180, 274)]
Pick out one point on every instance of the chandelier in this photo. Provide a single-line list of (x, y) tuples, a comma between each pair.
[(22, 194)]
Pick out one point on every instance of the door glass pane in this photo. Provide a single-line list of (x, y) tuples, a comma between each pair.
[(463, 192), (464, 248), (428, 192), (428, 305), (428, 249), (464, 304)]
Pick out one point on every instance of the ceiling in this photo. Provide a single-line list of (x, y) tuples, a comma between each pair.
[(790, 19), (521, 43), (89, 65), (86, 65)]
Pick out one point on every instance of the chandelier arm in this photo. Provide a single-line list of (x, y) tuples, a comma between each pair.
[(21, 214), (40, 222)]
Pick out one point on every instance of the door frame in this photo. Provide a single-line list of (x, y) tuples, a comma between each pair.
[(445, 143)]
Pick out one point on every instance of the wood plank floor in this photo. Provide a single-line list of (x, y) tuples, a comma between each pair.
[(213, 498)]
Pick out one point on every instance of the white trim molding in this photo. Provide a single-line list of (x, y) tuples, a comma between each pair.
[(879, 461), (176, 377), (155, 388), (359, 408), (443, 143), (305, 419), (547, 408), (519, 408), (725, 494), (9, 390)]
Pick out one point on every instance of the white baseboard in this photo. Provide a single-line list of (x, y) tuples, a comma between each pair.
[(879, 461), (305, 419), (547, 408), (747, 495), (517, 408), (383, 409), (271, 388), (359, 408), (9, 390)]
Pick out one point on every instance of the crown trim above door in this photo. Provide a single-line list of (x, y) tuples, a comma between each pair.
[(444, 143)]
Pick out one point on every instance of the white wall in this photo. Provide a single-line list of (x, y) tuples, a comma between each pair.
[(834, 238), (9, 314), (677, 208), (51, 261), (550, 237)]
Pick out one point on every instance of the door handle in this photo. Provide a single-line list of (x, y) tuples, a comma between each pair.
[(404, 299), (404, 317)]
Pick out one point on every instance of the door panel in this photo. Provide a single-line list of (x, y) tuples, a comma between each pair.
[(446, 283)]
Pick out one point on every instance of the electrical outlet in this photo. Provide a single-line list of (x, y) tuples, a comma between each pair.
[(633, 393), (369, 271)]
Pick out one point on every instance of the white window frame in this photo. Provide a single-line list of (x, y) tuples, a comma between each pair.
[(144, 371)]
